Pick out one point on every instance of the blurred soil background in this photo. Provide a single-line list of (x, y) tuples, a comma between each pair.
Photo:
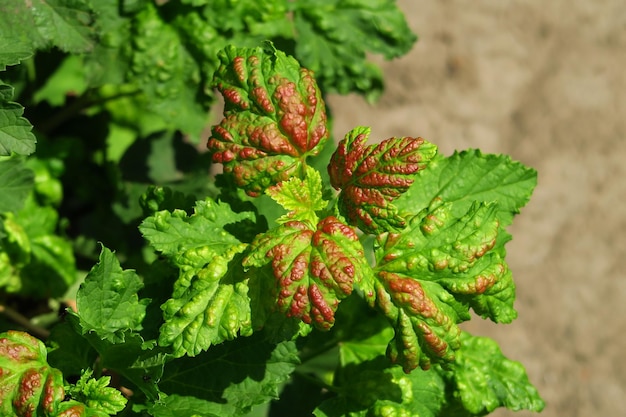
[(545, 82)]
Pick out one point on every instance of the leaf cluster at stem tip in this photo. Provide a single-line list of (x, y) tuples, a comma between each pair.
[(308, 277)]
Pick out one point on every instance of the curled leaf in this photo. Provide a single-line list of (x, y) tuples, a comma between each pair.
[(210, 302), (371, 177), (209, 305), (483, 379), (274, 117), (314, 268), (431, 273)]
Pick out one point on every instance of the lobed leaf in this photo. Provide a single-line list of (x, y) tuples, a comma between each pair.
[(13, 51), (428, 274), (97, 395), (301, 197), (373, 388), (33, 259), (137, 360), (371, 177), (37, 24), (243, 373), (314, 268), (483, 379), (470, 176), (210, 302), (209, 305), (107, 301), (15, 131), (16, 183), (274, 117), (174, 233), (67, 24), (333, 38), (17, 23), (164, 67)]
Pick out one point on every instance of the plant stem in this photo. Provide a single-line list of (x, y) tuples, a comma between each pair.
[(316, 381), (18, 318)]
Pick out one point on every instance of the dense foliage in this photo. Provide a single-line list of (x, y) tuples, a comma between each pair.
[(304, 279)]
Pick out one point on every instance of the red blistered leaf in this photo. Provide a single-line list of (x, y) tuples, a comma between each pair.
[(371, 177), (423, 329), (429, 275), (314, 268), (27, 382), (274, 117)]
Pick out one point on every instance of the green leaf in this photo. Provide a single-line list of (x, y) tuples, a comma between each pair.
[(68, 350), (165, 71), (426, 275), (174, 233), (52, 269), (333, 38), (375, 389), (137, 360), (68, 79), (314, 268), (371, 177), (210, 302), (109, 61), (16, 182), (13, 51), (209, 305), (15, 130), (301, 197), (42, 263), (274, 117), (16, 22), (66, 24), (97, 395), (247, 22), (107, 302), (157, 198), (243, 373), (471, 176), (483, 379), (186, 406)]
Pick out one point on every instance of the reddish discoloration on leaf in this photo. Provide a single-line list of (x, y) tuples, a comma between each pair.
[(74, 411), (29, 386), (52, 393), (268, 117), (22, 352), (240, 69), (420, 324), (321, 311), (430, 273), (314, 268), (371, 177)]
